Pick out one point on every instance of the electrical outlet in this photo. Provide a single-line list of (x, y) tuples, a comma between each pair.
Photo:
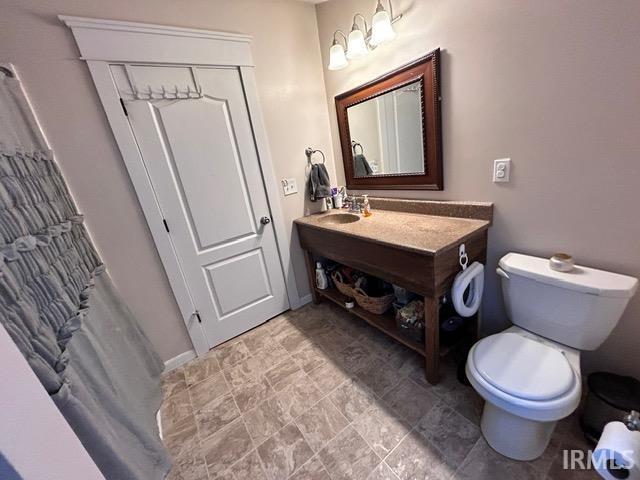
[(289, 186), (501, 170)]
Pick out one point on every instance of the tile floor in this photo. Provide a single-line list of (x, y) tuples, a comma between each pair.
[(317, 394)]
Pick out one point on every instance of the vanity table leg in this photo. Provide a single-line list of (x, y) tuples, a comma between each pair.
[(311, 274), (432, 339)]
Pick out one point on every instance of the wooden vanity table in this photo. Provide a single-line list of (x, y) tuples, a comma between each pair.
[(416, 249)]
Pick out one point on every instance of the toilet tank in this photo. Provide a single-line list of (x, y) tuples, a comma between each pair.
[(578, 308)]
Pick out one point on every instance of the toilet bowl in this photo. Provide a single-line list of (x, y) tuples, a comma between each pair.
[(529, 374), (528, 384)]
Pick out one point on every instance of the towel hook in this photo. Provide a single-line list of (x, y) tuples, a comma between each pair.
[(309, 151)]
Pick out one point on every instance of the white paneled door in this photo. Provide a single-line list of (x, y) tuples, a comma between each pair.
[(201, 158)]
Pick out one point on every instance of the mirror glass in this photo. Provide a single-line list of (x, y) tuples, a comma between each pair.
[(386, 133)]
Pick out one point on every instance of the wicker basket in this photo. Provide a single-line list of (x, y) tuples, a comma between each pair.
[(377, 305), (343, 287)]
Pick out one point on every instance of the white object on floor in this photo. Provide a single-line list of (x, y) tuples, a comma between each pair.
[(529, 375), (620, 445)]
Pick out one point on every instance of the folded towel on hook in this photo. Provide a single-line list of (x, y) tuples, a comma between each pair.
[(319, 183), (361, 166)]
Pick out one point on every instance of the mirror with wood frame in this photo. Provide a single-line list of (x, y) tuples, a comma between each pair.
[(390, 129)]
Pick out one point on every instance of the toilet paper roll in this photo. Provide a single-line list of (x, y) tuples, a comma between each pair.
[(617, 454)]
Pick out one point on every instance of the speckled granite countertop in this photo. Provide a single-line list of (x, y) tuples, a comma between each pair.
[(429, 234)]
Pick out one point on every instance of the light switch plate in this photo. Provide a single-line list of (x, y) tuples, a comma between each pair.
[(501, 170), (289, 186)]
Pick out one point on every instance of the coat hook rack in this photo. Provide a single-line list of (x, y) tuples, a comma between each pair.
[(309, 151)]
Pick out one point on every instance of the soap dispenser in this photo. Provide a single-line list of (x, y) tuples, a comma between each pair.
[(366, 208)]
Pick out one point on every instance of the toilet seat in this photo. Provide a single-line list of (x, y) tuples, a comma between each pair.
[(515, 391), (523, 367)]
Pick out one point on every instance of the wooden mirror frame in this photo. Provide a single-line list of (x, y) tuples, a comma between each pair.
[(427, 70)]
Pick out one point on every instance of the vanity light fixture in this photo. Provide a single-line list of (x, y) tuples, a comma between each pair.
[(360, 41), (356, 44), (381, 29), (337, 57)]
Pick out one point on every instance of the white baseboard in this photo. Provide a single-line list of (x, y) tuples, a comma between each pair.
[(302, 301), (179, 360)]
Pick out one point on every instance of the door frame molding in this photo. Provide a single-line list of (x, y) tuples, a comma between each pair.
[(102, 42)]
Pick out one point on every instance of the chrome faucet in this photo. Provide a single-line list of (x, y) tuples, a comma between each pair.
[(354, 205)]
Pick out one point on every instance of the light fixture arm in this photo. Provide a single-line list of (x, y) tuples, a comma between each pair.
[(355, 23), (381, 7), (335, 40)]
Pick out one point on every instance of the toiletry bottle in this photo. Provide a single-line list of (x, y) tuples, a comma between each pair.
[(322, 282), (366, 208)]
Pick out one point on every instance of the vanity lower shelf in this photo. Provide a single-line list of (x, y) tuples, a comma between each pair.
[(385, 322)]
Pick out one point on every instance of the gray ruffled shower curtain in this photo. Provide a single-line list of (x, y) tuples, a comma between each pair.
[(65, 315)]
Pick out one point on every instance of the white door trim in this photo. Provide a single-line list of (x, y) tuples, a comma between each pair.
[(107, 41)]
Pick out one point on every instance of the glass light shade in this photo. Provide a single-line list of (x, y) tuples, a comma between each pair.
[(337, 58), (356, 47), (381, 29)]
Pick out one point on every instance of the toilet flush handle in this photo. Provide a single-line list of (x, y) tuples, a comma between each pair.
[(502, 273)]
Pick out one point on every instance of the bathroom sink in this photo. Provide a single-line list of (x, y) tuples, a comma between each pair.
[(339, 218)]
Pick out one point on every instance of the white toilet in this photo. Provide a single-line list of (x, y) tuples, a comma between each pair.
[(529, 374)]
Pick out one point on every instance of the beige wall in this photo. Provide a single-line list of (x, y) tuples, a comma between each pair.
[(555, 86), (291, 91)]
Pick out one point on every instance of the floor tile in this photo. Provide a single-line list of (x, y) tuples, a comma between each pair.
[(216, 414), (382, 472), (175, 408), (249, 468), (203, 392), (379, 376), (415, 458), (297, 397), (190, 466), (310, 357), (328, 377), (334, 341), (354, 357), (173, 382), (283, 374), (271, 354), (200, 369), (450, 432), (182, 438), (251, 393), (293, 340), (249, 369), (382, 428), (313, 324), (321, 423), (379, 343), (231, 353), (312, 470), (461, 397), (410, 400), (348, 456), (266, 419), (444, 416), (227, 446), (285, 452), (352, 399), (348, 323), (257, 338), (484, 463)]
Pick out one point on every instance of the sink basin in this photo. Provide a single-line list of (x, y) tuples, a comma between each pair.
[(339, 218)]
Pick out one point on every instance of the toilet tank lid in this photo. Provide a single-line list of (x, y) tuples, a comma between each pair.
[(581, 279)]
